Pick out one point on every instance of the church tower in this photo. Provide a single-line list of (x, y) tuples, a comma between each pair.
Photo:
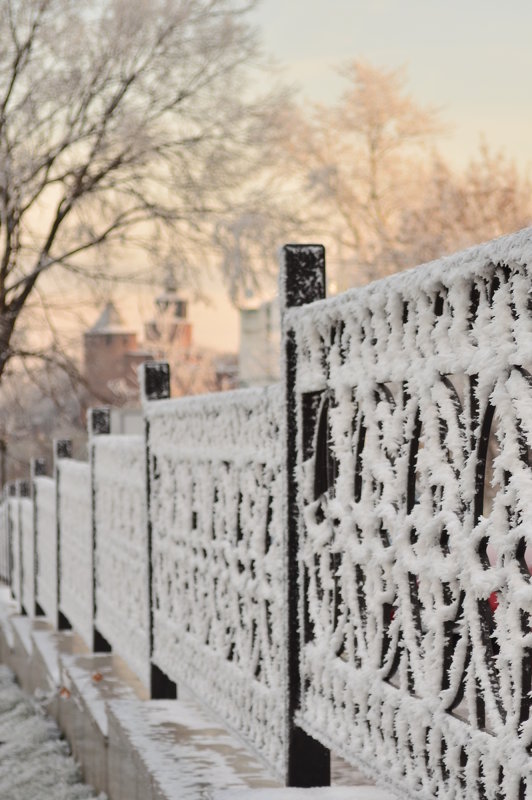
[(111, 358), (169, 333)]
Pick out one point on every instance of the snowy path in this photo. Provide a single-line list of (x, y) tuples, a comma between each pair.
[(34, 762)]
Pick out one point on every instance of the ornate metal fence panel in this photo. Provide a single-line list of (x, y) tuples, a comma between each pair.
[(74, 504), (121, 547), (219, 573), (27, 543), (46, 544), (414, 400)]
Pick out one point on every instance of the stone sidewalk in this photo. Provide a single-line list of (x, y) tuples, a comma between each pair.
[(133, 748)]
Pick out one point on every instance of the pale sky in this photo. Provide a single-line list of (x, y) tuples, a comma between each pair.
[(472, 59)]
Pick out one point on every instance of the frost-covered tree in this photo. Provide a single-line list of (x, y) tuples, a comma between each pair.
[(379, 192), (459, 208), (362, 160), (124, 124), (36, 406)]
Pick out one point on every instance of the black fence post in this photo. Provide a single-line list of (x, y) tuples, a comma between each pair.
[(154, 380), (302, 280), (99, 424), (62, 449), (37, 468)]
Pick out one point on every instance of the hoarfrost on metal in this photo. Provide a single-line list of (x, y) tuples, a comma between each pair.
[(219, 575)]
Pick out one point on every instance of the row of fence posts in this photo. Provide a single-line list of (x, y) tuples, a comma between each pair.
[(302, 282)]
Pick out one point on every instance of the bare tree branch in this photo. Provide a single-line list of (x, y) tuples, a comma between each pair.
[(119, 123)]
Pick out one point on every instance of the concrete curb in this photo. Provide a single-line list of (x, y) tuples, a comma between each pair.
[(128, 746)]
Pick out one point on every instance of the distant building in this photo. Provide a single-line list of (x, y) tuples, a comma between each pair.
[(112, 354), (169, 336), (111, 357), (169, 330), (260, 344)]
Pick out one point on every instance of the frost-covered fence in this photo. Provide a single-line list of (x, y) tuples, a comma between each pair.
[(118, 474), (216, 473), (46, 538), (75, 595), (45, 522), (26, 532), (413, 412), (340, 563)]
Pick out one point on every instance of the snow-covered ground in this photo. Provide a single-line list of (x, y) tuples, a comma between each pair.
[(34, 761)]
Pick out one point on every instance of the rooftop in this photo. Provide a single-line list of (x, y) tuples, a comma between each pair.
[(109, 321)]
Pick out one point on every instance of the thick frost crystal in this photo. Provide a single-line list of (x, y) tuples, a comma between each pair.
[(219, 576), (121, 547), (416, 524), (410, 528)]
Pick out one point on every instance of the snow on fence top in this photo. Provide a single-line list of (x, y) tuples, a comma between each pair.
[(75, 515), (46, 543), (121, 547), (416, 499), (219, 572)]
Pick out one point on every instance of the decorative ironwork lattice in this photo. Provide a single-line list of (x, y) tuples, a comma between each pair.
[(219, 585), (121, 547), (416, 528)]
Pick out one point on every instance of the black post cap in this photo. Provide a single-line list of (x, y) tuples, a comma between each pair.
[(23, 488), (154, 379), (302, 274), (38, 467), (99, 420), (62, 448)]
